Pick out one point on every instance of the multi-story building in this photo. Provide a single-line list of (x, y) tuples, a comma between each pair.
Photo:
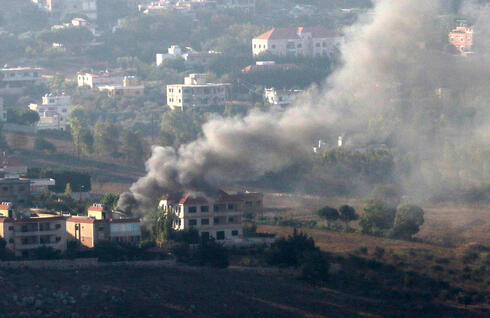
[(25, 232), (54, 112), (282, 97), (190, 56), (197, 93), (219, 218), (3, 112), (64, 7), (15, 190), (302, 41), (14, 80), (95, 80), (129, 88), (462, 39), (100, 225)]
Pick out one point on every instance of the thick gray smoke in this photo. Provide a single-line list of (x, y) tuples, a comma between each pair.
[(395, 79)]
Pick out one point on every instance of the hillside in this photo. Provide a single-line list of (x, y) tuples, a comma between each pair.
[(170, 292)]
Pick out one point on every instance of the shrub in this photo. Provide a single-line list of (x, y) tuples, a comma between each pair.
[(442, 260), (470, 256), (210, 253), (408, 219), (362, 250), (437, 268), (379, 252), (314, 267), (45, 252), (290, 251)]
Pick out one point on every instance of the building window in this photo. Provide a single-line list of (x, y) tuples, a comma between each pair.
[(57, 226), (234, 233), (220, 235), (231, 220), (216, 208), (11, 241), (11, 228), (231, 206), (255, 46), (204, 208), (216, 220), (192, 222), (5, 189), (318, 44), (204, 221), (300, 46), (21, 189), (58, 239), (192, 209), (273, 46)]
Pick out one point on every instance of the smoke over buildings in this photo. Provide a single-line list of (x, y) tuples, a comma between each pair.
[(385, 92)]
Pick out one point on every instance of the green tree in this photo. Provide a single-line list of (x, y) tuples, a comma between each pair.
[(22, 116), (110, 200), (41, 144), (161, 228), (68, 193), (181, 127), (408, 219), (87, 141), (347, 214), (132, 145), (377, 218), (106, 139), (328, 213)]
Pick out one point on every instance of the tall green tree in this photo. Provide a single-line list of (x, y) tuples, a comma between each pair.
[(408, 219), (132, 146)]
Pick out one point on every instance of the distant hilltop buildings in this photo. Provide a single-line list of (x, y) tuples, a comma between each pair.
[(189, 55), (54, 112), (301, 41), (462, 38), (156, 7), (64, 7)]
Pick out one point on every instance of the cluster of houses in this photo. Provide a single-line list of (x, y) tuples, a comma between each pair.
[(25, 230), (191, 6)]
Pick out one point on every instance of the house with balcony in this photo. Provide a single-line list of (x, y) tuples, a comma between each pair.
[(15, 80), (219, 218), (25, 232), (197, 93), (54, 112), (301, 41)]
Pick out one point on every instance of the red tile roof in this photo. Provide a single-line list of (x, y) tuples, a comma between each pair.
[(5, 207), (292, 33)]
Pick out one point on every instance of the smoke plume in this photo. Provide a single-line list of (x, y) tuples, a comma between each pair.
[(396, 85)]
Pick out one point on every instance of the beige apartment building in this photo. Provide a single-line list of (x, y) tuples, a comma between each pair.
[(100, 225), (129, 88), (92, 80), (24, 233), (197, 93), (302, 41), (219, 218)]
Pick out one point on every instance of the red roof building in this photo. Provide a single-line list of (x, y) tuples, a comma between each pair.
[(302, 41), (462, 39)]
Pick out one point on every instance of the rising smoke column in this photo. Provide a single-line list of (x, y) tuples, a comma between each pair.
[(391, 62)]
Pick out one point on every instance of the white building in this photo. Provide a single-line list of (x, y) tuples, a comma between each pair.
[(64, 7), (95, 80), (302, 41), (14, 80), (3, 112), (196, 92), (219, 218), (281, 97), (190, 56), (54, 112)]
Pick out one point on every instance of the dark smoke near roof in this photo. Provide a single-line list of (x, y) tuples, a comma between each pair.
[(393, 65)]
